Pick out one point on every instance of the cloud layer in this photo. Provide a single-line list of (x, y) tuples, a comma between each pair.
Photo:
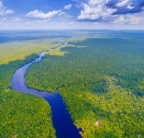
[(126, 6), (95, 9), (73, 13), (120, 11), (67, 7)]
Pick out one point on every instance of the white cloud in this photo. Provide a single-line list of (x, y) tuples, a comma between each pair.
[(130, 6), (3, 11), (11, 23), (120, 20), (40, 15), (61, 13), (133, 19), (122, 3), (67, 7), (95, 9), (9, 12)]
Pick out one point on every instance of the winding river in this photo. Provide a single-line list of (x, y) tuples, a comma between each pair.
[(62, 121)]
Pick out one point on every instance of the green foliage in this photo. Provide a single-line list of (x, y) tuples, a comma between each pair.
[(101, 84), (115, 114), (7, 71), (21, 115)]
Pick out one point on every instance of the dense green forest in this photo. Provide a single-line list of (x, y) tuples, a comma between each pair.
[(100, 79), (102, 83), (21, 115)]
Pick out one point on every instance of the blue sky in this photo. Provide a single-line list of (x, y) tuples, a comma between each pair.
[(72, 14)]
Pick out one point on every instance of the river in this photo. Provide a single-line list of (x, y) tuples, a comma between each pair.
[(62, 121)]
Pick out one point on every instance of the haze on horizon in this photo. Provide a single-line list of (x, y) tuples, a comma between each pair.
[(72, 14)]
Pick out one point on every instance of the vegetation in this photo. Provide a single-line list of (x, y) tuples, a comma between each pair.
[(24, 115), (21, 115), (57, 52), (115, 114), (12, 51), (101, 84)]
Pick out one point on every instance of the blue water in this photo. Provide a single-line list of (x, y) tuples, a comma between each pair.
[(62, 121)]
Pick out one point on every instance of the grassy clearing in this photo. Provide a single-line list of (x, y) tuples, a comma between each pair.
[(19, 50)]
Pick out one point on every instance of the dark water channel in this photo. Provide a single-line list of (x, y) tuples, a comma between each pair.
[(62, 121)]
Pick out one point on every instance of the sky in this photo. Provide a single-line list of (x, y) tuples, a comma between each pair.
[(72, 14)]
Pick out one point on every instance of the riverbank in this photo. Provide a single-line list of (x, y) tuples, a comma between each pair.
[(62, 122)]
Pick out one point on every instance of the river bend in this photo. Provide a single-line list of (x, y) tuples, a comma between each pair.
[(62, 121)]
